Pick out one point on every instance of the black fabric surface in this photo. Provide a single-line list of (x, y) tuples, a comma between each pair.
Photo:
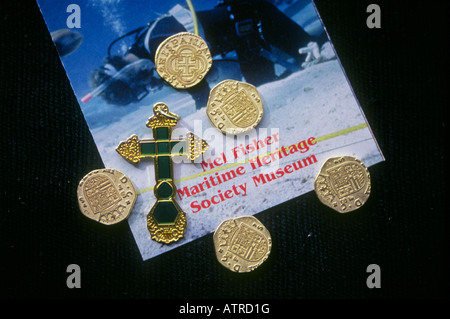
[(399, 75)]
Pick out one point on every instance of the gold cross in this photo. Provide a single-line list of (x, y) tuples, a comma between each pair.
[(166, 221)]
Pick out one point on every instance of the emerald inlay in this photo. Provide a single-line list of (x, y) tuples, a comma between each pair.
[(163, 148), (164, 190), (164, 167), (162, 133), (147, 148), (165, 212)]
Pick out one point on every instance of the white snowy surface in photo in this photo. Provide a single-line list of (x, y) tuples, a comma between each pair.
[(314, 102)]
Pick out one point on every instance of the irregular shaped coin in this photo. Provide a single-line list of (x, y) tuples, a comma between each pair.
[(242, 244), (234, 107), (106, 196), (183, 60), (343, 184)]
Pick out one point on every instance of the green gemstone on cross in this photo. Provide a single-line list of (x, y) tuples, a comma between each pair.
[(166, 221), (148, 148)]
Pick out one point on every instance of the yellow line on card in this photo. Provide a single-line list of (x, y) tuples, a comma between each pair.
[(342, 132)]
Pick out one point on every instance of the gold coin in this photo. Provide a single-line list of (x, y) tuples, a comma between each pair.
[(183, 60), (234, 107), (242, 244), (343, 183), (106, 196)]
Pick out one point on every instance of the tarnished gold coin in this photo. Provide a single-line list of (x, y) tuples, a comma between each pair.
[(343, 183), (234, 107), (106, 196), (242, 244), (183, 60)]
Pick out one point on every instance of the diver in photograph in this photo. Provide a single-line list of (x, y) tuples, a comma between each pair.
[(257, 31)]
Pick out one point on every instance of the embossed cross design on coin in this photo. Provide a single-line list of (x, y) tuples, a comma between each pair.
[(183, 60), (186, 63), (166, 221)]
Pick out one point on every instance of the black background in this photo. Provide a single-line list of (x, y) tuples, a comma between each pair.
[(399, 75)]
